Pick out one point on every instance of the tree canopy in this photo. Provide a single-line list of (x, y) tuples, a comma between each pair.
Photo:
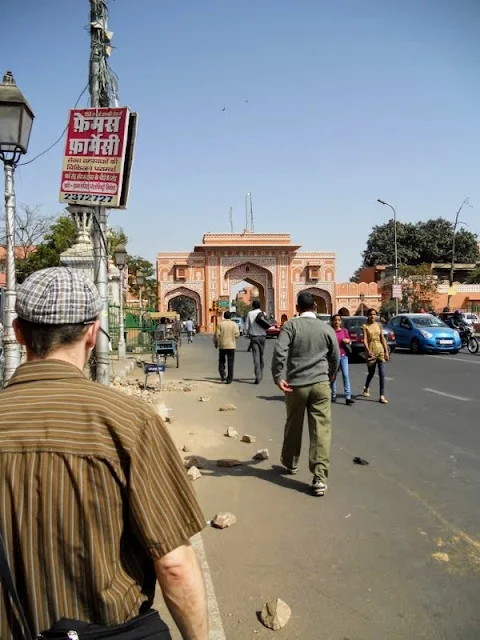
[(58, 239), (419, 243)]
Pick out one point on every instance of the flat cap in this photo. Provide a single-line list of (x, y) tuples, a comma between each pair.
[(58, 296)]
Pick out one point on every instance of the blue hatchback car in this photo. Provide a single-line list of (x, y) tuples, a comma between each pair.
[(424, 333)]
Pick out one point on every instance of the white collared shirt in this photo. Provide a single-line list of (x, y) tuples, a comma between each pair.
[(308, 314)]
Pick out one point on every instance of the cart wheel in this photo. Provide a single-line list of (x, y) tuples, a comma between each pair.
[(178, 359)]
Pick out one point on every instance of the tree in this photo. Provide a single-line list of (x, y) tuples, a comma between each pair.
[(116, 236), (419, 243), (419, 287), (59, 238), (185, 306), (473, 277), (149, 289), (31, 227), (242, 308)]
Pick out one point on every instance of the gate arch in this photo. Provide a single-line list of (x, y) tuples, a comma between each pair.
[(258, 276), (322, 298), (187, 293)]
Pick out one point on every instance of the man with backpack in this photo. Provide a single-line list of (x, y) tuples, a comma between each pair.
[(96, 506), (305, 360), (256, 328)]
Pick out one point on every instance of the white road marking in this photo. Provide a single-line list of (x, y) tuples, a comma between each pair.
[(472, 361), (389, 379), (447, 395), (214, 618)]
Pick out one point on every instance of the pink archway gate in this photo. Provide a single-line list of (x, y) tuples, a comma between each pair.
[(187, 293), (322, 298)]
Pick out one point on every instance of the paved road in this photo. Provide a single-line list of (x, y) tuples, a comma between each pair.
[(358, 564)]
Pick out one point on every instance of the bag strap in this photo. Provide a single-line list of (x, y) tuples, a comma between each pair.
[(7, 578)]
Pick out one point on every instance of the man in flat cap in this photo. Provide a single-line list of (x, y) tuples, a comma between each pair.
[(95, 505)]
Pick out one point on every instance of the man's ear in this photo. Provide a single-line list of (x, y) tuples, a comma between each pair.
[(18, 334), (91, 334)]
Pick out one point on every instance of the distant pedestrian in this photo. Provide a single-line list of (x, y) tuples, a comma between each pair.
[(258, 336), (305, 361), (225, 340), (96, 506), (343, 339), (189, 326), (161, 330), (376, 351)]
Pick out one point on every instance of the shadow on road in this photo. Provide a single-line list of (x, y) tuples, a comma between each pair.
[(272, 398), (248, 468)]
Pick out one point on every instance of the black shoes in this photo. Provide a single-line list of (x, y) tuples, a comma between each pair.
[(349, 402)]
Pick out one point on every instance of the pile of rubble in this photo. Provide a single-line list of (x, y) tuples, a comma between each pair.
[(136, 387)]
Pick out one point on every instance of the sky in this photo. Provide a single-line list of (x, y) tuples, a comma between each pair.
[(316, 107)]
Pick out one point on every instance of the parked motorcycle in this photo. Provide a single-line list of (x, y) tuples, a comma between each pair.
[(469, 339)]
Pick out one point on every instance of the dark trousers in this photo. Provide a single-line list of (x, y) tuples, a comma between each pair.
[(147, 626), (381, 375), (258, 347), (229, 356)]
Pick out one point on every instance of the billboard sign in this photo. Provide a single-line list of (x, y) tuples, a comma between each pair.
[(397, 291), (94, 160)]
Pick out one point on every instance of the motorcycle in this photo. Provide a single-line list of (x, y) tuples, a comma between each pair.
[(469, 339)]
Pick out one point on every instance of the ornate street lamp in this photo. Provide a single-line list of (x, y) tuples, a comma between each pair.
[(120, 262), (362, 298), (16, 119), (395, 245)]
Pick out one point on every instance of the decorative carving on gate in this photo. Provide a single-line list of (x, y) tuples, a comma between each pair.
[(283, 282)]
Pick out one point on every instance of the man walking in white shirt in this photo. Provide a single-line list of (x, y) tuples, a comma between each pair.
[(258, 337)]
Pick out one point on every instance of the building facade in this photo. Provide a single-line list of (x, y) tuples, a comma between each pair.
[(269, 262)]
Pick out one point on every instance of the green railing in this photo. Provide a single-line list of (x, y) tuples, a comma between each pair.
[(138, 327)]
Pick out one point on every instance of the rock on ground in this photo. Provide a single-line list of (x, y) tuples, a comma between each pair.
[(231, 432), (205, 398), (186, 448), (275, 614), (193, 462), (224, 520), (262, 454), (228, 407), (194, 473), (228, 462), (249, 439)]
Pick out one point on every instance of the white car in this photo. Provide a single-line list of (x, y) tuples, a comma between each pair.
[(471, 318)]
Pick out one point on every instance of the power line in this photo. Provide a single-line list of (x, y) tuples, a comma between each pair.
[(56, 141)]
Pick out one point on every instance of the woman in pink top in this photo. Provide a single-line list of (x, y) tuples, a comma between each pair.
[(343, 338)]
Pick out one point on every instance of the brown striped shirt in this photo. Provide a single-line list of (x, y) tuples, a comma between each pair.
[(92, 489)]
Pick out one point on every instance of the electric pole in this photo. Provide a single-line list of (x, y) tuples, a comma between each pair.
[(452, 263), (99, 80)]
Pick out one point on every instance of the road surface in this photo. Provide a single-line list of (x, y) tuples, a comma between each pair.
[(393, 550)]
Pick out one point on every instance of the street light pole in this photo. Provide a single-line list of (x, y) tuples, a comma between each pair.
[(140, 282), (452, 264), (120, 262), (16, 119), (396, 246), (10, 344)]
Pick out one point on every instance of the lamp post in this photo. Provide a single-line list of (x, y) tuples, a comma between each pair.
[(396, 246), (16, 119), (140, 282), (120, 262)]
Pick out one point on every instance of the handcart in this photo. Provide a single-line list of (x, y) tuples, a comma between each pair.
[(166, 348)]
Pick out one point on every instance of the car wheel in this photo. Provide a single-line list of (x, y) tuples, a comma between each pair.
[(415, 346), (455, 351)]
